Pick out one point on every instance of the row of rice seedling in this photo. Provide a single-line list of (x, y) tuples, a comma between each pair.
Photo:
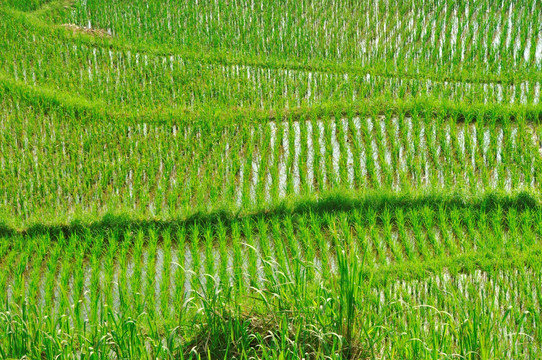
[(143, 268), (51, 166), (478, 315), (165, 275), (384, 35), (142, 81)]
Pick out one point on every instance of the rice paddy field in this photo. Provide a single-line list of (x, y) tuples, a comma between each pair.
[(312, 179)]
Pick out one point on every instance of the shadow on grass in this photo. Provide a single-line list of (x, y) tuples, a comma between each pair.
[(328, 203)]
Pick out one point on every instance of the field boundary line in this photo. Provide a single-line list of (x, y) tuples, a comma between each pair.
[(486, 260), (82, 108), (335, 201)]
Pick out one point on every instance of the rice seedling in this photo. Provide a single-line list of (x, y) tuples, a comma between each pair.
[(274, 180)]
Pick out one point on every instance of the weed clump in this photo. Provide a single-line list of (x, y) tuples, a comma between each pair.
[(231, 336)]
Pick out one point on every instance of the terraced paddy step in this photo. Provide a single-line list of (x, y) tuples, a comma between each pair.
[(410, 236), (169, 170), (453, 269), (139, 80)]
